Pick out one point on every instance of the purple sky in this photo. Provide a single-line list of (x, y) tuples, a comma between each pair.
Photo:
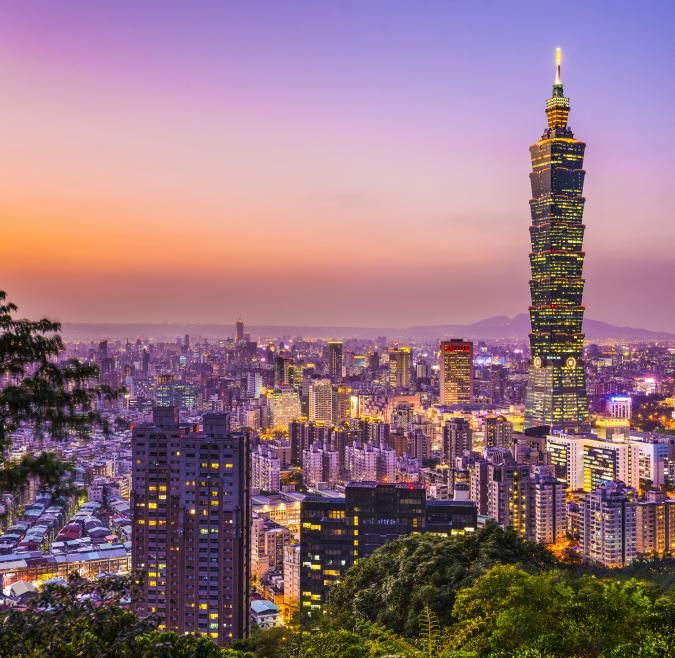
[(356, 163)]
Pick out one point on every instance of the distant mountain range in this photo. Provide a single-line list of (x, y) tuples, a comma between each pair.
[(499, 326)]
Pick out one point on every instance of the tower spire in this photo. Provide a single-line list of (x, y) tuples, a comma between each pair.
[(558, 59), (558, 106)]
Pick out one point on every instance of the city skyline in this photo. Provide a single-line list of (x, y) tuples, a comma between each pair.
[(254, 160)]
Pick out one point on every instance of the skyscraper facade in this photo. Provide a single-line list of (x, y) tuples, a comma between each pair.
[(399, 367), (556, 392), (335, 359), (337, 532), (192, 525), (456, 371)]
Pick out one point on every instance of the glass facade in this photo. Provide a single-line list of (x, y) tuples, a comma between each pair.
[(556, 393)]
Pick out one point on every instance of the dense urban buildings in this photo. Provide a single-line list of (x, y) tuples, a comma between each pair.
[(556, 393), (247, 469)]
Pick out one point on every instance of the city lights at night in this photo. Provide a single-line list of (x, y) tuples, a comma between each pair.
[(315, 381)]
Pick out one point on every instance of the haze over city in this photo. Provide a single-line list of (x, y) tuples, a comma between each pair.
[(342, 163)]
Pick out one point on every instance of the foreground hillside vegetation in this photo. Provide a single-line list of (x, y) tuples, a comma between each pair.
[(485, 595)]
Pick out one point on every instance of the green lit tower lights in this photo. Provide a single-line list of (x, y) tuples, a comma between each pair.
[(556, 389)]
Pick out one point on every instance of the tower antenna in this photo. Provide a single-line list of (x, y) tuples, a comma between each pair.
[(558, 59)]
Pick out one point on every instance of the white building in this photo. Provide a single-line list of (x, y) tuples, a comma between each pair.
[(292, 575), (362, 462), (321, 400), (264, 614), (608, 525), (548, 505), (265, 469), (387, 463), (312, 465), (253, 385), (588, 461)]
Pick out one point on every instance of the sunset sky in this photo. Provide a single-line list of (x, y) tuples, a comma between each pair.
[(325, 162)]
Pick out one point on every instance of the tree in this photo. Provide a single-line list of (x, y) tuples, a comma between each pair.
[(50, 397), (400, 579), (330, 643), (432, 642), (509, 612), (92, 619)]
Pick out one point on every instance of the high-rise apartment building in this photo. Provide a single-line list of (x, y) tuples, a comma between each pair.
[(527, 498), (548, 507), (191, 525), (457, 439), (655, 525), (292, 576), (265, 469), (320, 464), (556, 390), (302, 434), (456, 371), (498, 432), (253, 385), (608, 525), (399, 367)]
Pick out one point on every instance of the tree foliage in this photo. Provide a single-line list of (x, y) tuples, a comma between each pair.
[(53, 398), (402, 578), (92, 619), (509, 612)]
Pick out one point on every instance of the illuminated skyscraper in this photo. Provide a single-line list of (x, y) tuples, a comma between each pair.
[(556, 392), (192, 525), (456, 371), (399, 367), (335, 359)]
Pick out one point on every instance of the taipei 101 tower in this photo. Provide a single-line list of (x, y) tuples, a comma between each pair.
[(556, 388)]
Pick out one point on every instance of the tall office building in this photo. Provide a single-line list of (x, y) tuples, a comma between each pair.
[(336, 532), (456, 371), (399, 367), (284, 405), (191, 525), (335, 359), (585, 462), (556, 389), (282, 366), (239, 330), (342, 401)]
